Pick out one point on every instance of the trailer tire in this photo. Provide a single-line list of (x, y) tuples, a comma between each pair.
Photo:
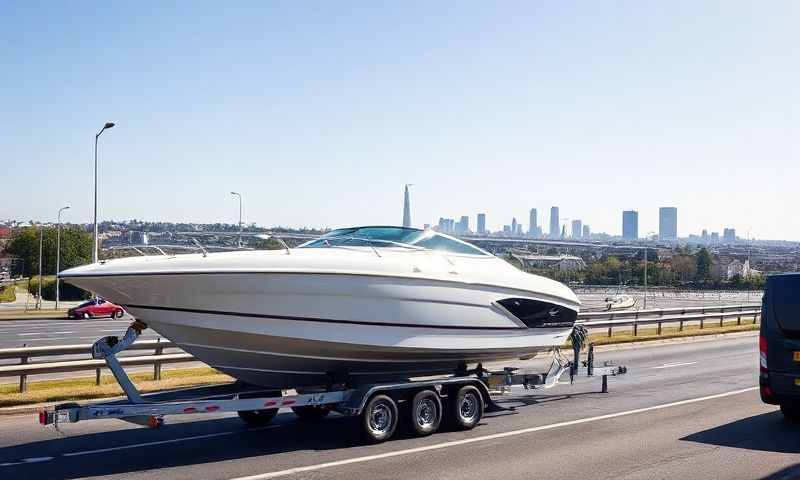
[(312, 412), (257, 418), (426, 412), (379, 418), (466, 408)]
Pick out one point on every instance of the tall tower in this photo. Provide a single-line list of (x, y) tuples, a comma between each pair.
[(555, 231), (481, 223), (533, 223), (407, 208), (668, 223), (630, 224)]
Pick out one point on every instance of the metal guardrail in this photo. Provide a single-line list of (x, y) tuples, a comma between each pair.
[(592, 320)]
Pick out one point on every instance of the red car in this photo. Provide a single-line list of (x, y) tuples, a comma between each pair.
[(96, 307)]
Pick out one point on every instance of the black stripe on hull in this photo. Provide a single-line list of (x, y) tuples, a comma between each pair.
[(318, 320)]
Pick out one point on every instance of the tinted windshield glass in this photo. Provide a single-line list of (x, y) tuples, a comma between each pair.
[(393, 237)]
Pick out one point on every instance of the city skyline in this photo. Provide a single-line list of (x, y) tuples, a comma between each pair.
[(312, 134)]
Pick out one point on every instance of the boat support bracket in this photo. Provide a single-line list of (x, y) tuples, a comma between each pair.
[(108, 347)]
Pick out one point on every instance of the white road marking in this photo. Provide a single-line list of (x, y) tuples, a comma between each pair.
[(397, 453), (162, 442), (44, 333), (670, 365)]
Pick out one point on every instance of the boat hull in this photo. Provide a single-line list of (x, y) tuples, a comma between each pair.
[(298, 330)]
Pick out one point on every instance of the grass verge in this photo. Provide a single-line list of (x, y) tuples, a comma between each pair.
[(84, 388)]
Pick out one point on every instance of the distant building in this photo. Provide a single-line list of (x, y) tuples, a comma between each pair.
[(587, 232), (668, 223), (577, 229), (704, 236), (507, 230), (446, 225), (533, 224), (554, 223), (714, 237), (481, 224), (463, 225), (729, 235), (406, 209), (514, 226), (630, 225)]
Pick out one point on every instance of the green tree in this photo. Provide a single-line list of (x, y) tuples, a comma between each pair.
[(704, 264), (76, 249)]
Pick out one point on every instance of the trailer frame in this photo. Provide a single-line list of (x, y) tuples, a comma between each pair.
[(351, 400)]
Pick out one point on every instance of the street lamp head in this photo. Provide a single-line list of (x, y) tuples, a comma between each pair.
[(108, 125), (234, 193)]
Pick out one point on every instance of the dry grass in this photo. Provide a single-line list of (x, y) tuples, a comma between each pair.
[(84, 388)]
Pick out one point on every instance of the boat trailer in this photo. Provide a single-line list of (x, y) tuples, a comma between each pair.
[(461, 399)]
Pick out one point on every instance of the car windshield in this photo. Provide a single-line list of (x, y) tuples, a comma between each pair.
[(393, 237)]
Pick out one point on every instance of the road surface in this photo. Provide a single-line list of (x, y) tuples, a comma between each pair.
[(684, 411)]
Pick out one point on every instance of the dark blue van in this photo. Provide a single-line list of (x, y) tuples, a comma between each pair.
[(779, 344)]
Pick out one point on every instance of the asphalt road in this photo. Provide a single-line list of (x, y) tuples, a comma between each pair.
[(683, 411)]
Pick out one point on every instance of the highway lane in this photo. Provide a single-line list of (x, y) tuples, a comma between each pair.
[(558, 433)]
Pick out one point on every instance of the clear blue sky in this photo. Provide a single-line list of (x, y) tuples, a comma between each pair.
[(319, 112)]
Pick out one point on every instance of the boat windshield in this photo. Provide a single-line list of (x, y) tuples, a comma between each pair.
[(394, 237)]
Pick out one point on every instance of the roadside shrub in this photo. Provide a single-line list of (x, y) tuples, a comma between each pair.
[(68, 292), (8, 293)]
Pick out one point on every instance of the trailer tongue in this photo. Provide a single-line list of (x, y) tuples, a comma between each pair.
[(462, 398)]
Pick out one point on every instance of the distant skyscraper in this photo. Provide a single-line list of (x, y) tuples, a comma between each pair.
[(481, 224), (514, 226), (630, 224), (577, 229), (587, 232), (714, 237), (668, 223), (533, 223), (729, 235), (507, 229), (704, 236), (555, 231), (463, 225), (406, 209)]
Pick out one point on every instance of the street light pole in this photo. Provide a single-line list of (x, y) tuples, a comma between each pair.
[(58, 254), (240, 216), (96, 137), (39, 296), (645, 276)]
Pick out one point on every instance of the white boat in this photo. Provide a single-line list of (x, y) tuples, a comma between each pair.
[(357, 305)]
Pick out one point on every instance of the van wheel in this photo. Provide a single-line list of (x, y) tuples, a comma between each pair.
[(791, 411), (257, 418), (466, 408)]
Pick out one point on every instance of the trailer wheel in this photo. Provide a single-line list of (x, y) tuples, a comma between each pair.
[(426, 412), (257, 418), (312, 412), (466, 408), (379, 418)]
